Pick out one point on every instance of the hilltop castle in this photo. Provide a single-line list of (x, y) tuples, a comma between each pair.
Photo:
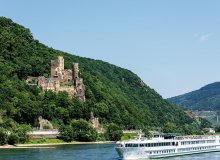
[(62, 80)]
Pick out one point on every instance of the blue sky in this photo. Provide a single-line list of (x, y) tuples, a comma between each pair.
[(172, 45)]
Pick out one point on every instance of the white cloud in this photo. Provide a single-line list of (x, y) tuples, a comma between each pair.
[(205, 37)]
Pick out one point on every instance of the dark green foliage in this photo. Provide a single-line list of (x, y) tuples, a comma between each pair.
[(3, 136), (79, 130), (66, 133), (217, 128), (169, 128), (205, 123), (206, 98), (13, 139), (21, 132), (83, 131), (115, 95), (113, 132)]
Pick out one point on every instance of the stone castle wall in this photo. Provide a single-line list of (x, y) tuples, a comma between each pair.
[(62, 79)]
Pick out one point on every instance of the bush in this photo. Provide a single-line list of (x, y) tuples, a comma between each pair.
[(79, 130), (66, 133), (3, 136), (113, 132), (83, 131), (21, 132), (13, 139)]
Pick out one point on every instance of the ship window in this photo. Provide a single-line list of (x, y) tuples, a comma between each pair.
[(129, 145), (141, 145), (146, 145), (135, 145)]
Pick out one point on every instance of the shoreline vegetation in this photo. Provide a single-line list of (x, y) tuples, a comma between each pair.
[(51, 145)]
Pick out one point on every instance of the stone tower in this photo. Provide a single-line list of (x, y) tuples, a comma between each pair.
[(57, 66), (61, 62), (76, 71)]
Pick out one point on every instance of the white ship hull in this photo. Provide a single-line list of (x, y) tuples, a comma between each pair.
[(142, 149)]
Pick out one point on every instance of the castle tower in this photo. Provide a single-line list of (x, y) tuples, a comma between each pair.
[(57, 66), (76, 70), (61, 63)]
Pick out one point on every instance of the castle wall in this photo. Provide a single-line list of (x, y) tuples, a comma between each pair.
[(61, 79), (69, 89), (67, 75), (80, 89)]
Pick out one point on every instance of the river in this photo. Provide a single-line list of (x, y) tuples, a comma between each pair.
[(83, 152)]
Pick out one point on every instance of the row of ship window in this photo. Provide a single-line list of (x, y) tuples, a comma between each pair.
[(163, 151), (197, 142), (182, 150), (167, 143), (150, 144), (196, 148)]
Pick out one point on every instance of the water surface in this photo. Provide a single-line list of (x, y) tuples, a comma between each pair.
[(83, 152)]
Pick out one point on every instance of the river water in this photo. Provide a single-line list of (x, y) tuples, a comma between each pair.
[(83, 152)]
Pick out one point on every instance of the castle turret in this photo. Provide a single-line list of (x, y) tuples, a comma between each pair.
[(76, 70)]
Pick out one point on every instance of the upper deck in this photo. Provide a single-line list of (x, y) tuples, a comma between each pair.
[(175, 141)]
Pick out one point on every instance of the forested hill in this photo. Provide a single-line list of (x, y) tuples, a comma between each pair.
[(203, 99), (114, 94)]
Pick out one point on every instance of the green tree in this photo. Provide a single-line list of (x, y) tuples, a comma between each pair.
[(66, 133), (83, 131), (21, 131), (3, 136), (13, 138), (169, 128), (113, 132)]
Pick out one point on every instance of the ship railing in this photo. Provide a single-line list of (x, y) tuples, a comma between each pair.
[(195, 137)]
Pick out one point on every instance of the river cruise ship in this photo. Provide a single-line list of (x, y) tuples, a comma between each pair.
[(159, 147)]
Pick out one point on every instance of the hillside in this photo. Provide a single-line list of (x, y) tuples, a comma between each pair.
[(114, 94), (206, 98)]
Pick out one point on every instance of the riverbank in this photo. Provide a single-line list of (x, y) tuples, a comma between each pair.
[(64, 143), (52, 145), (15, 146)]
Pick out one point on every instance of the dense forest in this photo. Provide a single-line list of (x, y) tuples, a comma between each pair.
[(115, 95), (206, 98)]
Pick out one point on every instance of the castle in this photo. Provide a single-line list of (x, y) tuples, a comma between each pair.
[(62, 80)]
